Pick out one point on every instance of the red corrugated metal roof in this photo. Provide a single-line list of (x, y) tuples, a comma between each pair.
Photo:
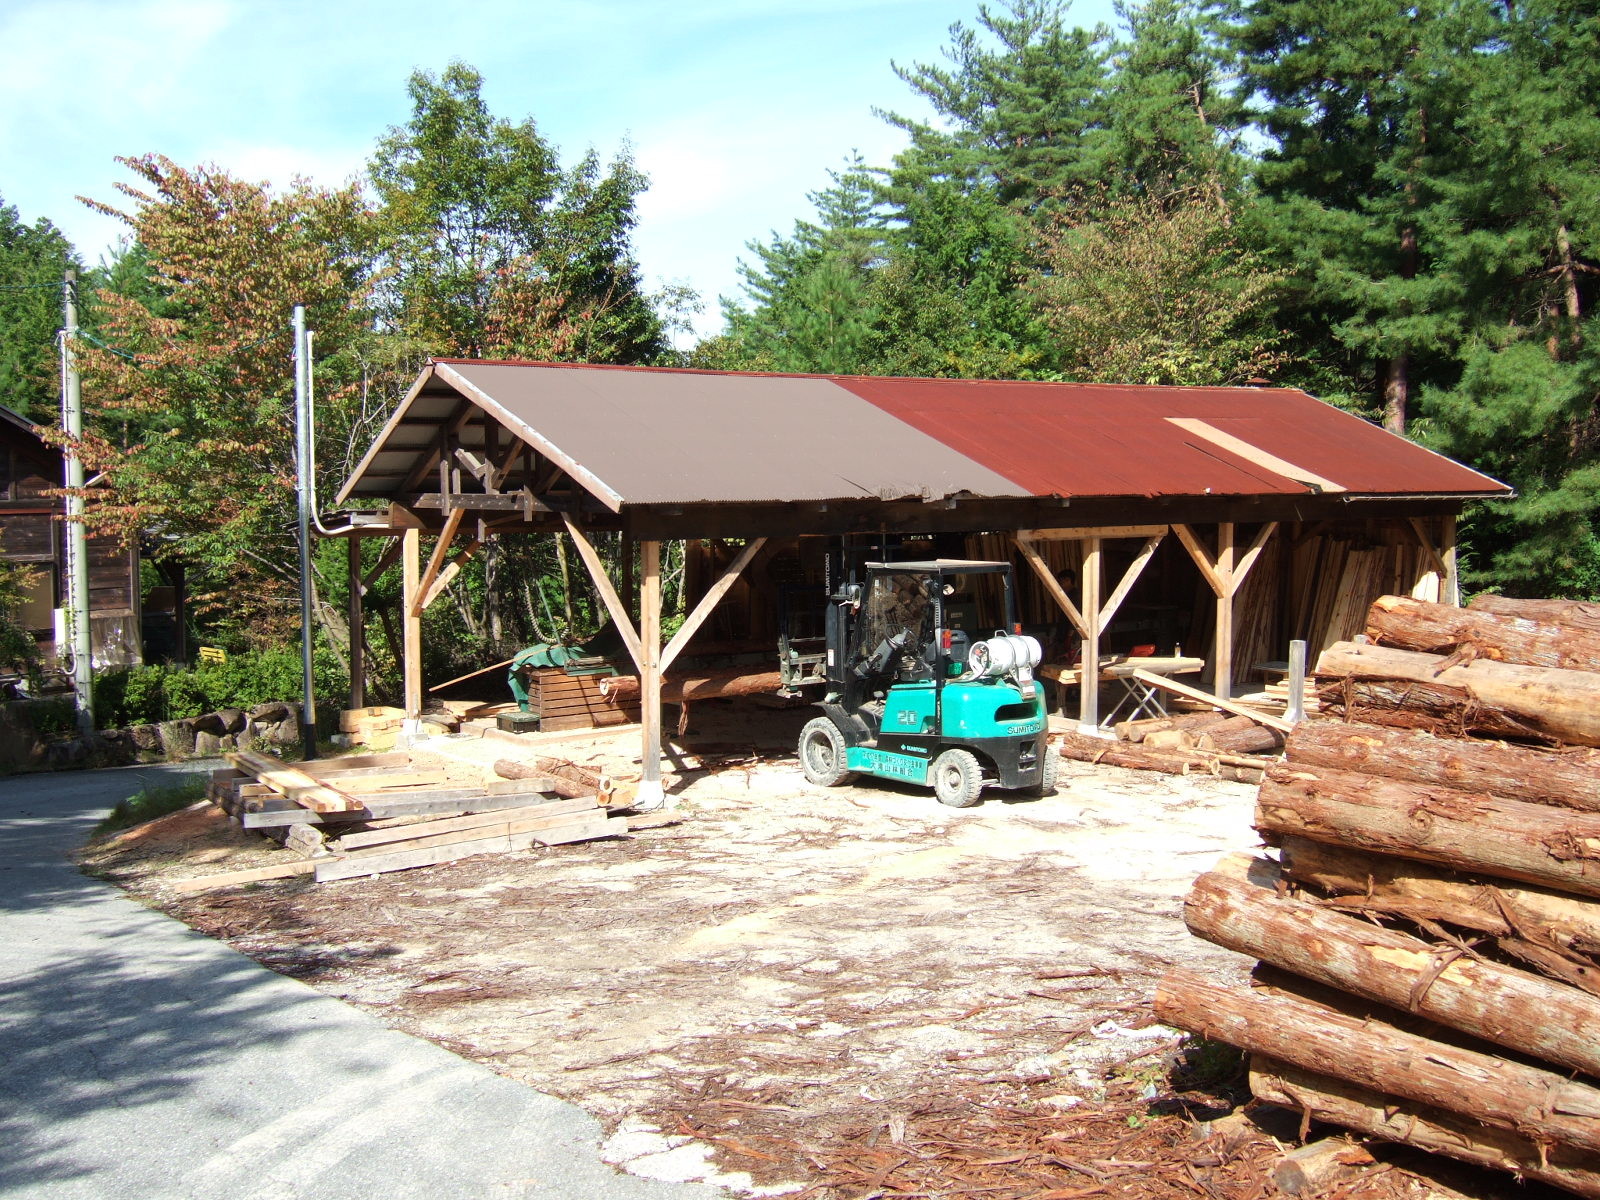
[(656, 436)]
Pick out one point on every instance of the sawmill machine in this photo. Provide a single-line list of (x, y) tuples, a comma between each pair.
[(918, 690)]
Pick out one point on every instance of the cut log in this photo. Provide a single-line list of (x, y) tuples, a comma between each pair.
[(1377, 883), (1245, 738), (1169, 739), (1434, 1130), (1569, 776), (1318, 1030), (709, 685), (1137, 731), (1237, 906), (1409, 624), (1083, 748), (1312, 1169), (566, 778), (1575, 614), (1534, 843), (1427, 691)]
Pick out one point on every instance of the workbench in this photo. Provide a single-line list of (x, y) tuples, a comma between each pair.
[(1138, 697)]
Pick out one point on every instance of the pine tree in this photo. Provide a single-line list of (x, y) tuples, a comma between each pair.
[(33, 261)]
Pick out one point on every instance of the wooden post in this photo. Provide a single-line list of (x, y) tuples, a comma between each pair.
[(625, 572), (1447, 551), (1223, 670), (358, 627), (411, 623), (1089, 677), (650, 794)]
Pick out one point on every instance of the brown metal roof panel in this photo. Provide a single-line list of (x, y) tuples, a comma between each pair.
[(664, 437), (1094, 439)]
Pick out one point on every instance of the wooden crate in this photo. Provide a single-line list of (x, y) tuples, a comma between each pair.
[(574, 702)]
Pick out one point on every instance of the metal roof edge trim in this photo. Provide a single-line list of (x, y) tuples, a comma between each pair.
[(423, 376), (596, 486)]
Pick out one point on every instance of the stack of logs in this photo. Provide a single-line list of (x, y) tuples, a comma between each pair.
[(1429, 939), (1220, 744)]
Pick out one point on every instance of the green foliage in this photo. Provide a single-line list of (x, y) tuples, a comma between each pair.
[(151, 694), (492, 250), (33, 261), (151, 802), (18, 650)]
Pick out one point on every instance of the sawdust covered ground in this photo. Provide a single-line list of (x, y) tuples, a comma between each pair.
[(842, 992)]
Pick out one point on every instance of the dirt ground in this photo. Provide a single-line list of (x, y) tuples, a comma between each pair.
[(851, 992)]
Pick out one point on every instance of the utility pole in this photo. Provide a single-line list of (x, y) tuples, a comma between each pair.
[(302, 426), (77, 589)]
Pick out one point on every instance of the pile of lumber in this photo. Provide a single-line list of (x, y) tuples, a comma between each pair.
[(1223, 744), (370, 814), (1429, 936), (576, 701)]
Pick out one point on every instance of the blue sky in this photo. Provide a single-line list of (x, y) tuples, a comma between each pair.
[(735, 110)]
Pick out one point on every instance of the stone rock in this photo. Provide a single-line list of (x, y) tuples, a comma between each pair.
[(69, 753), (271, 712), (210, 723), (177, 739), (233, 720), (207, 744), (146, 737)]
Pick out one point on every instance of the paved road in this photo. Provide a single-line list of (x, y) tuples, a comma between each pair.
[(141, 1060)]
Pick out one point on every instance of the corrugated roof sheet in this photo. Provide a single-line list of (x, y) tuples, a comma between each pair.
[(663, 436)]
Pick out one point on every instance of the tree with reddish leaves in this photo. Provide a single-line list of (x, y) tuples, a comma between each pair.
[(188, 386)]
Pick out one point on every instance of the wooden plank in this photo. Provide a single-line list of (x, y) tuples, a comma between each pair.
[(620, 617), (443, 804), (1222, 658), (611, 827), (319, 768), (297, 785), (1093, 531), (328, 870), (650, 673), (448, 575), (1194, 693), (358, 783), (1052, 585), (1255, 455), (401, 833), (254, 875), (709, 601)]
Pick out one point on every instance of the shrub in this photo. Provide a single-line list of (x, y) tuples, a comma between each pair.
[(153, 693)]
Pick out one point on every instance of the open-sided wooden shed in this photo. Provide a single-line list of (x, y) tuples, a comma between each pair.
[(1278, 508)]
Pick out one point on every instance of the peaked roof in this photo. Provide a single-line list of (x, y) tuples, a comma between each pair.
[(660, 436)]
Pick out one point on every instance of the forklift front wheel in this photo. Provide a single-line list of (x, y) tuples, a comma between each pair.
[(822, 753), (957, 778)]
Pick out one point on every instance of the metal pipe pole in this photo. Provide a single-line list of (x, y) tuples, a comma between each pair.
[(302, 424), (78, 632)]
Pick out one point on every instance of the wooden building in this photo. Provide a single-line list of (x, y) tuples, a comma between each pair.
[(1224, 520), (33, 533)]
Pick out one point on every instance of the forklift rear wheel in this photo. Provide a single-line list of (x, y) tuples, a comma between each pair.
[(822, 754), (1052, 771), (957, 778)]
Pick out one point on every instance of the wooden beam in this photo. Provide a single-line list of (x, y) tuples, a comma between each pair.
[(390, 556), (1248, 559), (501, 470), (1202, 558), (441, 551), (620, 616), (1051, 584), (1130, 577), (1451, 592), (708, 602), (356, 618), (1222, 664), (650, 793), (1103, 532), (448, 575), (411, 623), (1089, 678), (1222, 702)]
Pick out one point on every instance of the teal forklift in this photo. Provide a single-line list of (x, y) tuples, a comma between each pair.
[(916, 689)]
